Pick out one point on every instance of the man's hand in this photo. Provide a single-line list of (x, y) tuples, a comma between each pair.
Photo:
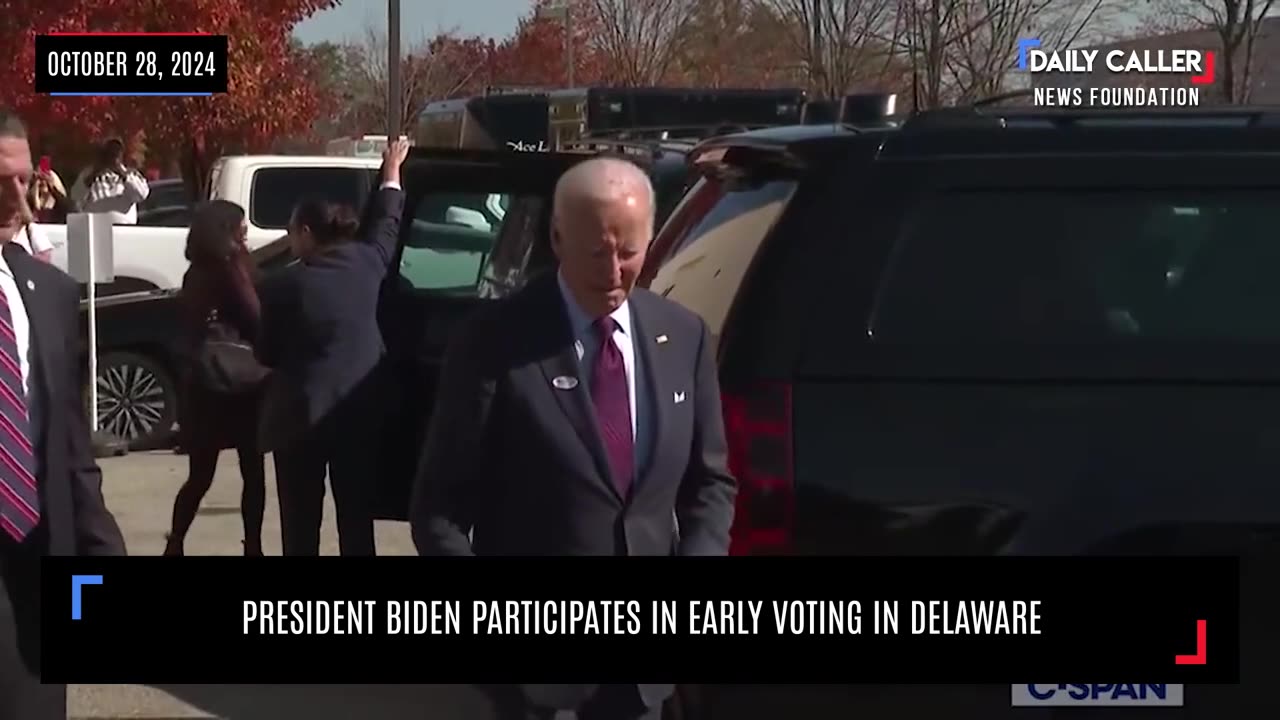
[(392, 158)]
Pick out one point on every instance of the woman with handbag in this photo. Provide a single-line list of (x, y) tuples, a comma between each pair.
[(223, 381)]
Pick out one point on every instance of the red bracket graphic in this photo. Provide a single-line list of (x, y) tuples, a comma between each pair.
[(1200, 657), (1205, 78)]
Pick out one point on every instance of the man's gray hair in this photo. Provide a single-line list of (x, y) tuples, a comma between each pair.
[(599, 177), (11, 126)]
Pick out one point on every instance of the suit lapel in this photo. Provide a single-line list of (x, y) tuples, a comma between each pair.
[(566, 382), (650, 341), (40, 319)]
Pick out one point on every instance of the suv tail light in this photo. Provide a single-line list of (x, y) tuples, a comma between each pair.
[(758, 429)]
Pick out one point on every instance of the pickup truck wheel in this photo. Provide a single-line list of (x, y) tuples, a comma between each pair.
[(137, 400)]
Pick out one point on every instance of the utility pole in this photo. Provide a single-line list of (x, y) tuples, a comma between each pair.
[(816, 66), (393, 70), (568, 40), (564, 13)]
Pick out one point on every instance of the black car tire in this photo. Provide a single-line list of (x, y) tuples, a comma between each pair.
[(137, 400)]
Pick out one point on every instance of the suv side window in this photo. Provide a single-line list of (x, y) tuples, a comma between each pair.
[(450, 239), (277, 190), (1084, 266), (512, 260)]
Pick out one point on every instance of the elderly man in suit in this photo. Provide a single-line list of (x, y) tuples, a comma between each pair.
[(580, 416), (50, 485)]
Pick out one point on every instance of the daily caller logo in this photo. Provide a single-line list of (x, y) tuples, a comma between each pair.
[(1115, 78)]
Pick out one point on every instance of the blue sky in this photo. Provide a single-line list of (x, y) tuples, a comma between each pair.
[(419, 19)]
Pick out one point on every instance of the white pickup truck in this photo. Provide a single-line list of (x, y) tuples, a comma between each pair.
[(152, 256)]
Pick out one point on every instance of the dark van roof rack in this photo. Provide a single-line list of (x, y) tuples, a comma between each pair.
[(537, 118), (856, 109)]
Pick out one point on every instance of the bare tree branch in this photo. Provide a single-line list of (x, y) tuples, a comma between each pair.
[(641, 38), (841, 42), (430, 70)]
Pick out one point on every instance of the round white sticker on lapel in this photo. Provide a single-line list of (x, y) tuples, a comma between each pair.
[(565, 382)]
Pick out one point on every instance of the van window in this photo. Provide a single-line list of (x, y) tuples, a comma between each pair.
[(277, 190), (450, 239), (707, 263), (1029, 266)]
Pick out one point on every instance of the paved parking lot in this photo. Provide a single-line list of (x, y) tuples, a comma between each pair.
[(140, 489)]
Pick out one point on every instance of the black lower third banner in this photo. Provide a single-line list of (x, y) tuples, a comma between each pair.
[(640, 620)]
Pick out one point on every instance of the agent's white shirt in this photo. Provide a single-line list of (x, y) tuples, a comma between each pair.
[(21, 328), (34, 238)]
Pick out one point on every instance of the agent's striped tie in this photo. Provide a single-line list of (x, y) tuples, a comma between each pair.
[(19, 501)]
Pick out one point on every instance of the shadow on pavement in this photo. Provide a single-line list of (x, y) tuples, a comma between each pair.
[(322, 702)]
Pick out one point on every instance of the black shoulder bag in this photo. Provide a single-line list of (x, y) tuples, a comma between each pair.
[(224, 362)]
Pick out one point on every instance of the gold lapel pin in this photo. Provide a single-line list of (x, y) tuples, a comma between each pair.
[(662, 339)]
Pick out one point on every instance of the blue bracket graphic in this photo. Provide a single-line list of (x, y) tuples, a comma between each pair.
[(1023, 47), (78, 582)]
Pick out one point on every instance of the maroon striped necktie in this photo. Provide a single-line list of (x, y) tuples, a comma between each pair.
[(612, 398), (19, 501)]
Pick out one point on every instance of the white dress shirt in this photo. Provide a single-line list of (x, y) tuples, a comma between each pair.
[(34, 239), (21, 328), (588, 344)]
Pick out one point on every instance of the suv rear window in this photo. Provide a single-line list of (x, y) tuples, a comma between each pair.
[(705, 263), (1031, 266)]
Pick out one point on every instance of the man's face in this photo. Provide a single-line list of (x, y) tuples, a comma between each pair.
[(601, 247), (15, 174)]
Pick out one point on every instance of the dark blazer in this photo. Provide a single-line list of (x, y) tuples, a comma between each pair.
[(319, 327), (74, 514), (518, 463)]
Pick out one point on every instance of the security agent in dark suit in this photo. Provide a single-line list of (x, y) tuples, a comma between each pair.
[(321, 337), (580, 417), (50, 485)]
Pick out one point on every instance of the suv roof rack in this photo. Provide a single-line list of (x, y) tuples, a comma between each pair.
[(975, 115), (655, 148)]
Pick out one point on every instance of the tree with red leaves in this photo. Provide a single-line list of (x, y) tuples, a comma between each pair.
[(535, 55), (269, 88)]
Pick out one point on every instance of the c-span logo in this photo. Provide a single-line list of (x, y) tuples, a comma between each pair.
[(1097, 695)]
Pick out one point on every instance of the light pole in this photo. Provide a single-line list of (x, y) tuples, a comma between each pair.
[(564, 14), (393, 70)]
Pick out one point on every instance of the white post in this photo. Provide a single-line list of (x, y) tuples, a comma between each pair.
[(91, 260)]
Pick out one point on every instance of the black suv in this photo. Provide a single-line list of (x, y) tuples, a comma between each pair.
[(993, 332), (1021, 332)]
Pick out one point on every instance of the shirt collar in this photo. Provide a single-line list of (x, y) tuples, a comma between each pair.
[(581, 321), (4, 264)]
